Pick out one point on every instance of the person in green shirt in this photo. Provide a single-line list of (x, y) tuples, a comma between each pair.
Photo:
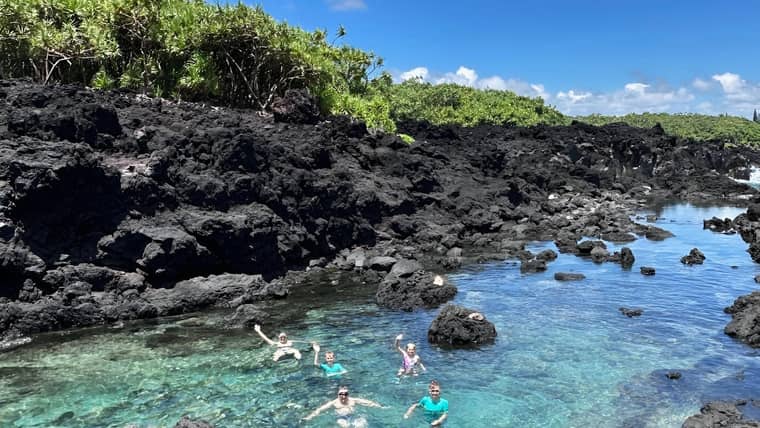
[(436, 408), (330, 367)]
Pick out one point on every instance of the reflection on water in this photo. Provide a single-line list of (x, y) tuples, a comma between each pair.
[(564, 357)]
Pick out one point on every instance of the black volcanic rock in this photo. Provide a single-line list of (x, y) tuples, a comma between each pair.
[(130, 198), (459, 326)]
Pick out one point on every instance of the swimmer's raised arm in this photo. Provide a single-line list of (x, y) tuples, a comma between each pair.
[(257, 328)]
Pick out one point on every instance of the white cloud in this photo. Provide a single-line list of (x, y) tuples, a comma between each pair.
[(469, 77), (731, 83), (634, 97), (735, 96), (343, 5), (415, 73), (701, 85)]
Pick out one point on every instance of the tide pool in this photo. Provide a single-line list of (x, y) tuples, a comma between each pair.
[(565, 356)]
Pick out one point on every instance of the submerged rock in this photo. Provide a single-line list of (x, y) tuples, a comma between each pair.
[(186, 422), (646, 270), (459, 326), (721, 414), (569, 276), (631, 312)]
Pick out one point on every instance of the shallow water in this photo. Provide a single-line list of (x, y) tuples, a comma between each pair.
[(565, 356)]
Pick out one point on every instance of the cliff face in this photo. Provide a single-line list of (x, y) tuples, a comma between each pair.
[(114, 205)]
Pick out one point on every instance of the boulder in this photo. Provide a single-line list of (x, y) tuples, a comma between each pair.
[(745, 322), (418, 290), (459, 326), (646, 270), (695, 257)]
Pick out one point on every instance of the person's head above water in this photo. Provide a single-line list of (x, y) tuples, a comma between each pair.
[(343, 393), (411, 348), (434, 389), (330, 356), (283, 337)]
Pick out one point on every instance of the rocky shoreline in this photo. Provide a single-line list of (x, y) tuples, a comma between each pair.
[(115, 206)]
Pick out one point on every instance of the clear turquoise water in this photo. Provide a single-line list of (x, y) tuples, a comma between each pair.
[(565, 356)]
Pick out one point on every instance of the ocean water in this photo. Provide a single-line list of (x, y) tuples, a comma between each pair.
[(565, 356)]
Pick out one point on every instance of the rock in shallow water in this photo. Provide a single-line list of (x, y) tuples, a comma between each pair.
[(459, 326)]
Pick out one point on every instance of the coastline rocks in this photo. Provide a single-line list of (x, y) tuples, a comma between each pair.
[(246, 316), (459, 326), (745, 323), (420, 289), (717, 225), (569, 276), (721, 414), (695, 257)]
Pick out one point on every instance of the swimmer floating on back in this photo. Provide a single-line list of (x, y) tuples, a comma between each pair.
[(411, 361), (284, 346)]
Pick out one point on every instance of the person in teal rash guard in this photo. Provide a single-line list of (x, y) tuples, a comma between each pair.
[(330, 367), (436, 408)]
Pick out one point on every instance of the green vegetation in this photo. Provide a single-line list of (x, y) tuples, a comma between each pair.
[(240, 56), (735, 130), (233, 55), (449, 103)]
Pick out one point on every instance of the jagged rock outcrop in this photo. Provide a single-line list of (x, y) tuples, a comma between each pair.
[(458, 326)]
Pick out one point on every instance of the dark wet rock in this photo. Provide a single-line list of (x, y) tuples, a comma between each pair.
[(547, 255), (459, 326), (624, 257), (631, 312), (296, 106), (247, 316), (186, 422), (585, 248), (757, 278), (532, 266), (745, 322), (599, 254), (404, 268), (419, 290), (695, 257), (654, 233), (717, 225), (618, 237), (646, 270), (382, 263), (569, 276), (721, 414), (673, 375)]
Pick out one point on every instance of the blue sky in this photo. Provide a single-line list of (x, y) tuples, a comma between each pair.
[(582, 56)]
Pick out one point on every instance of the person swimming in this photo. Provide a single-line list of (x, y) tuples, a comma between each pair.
[(330, 367), (284, 346), (410, 359), (436, 408), (345, 408)]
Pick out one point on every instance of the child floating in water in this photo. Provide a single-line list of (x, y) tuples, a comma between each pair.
[(411, 361), (330, 367), (284, 346)]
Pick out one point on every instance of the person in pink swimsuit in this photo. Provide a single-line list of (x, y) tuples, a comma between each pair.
[(411, 361)]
